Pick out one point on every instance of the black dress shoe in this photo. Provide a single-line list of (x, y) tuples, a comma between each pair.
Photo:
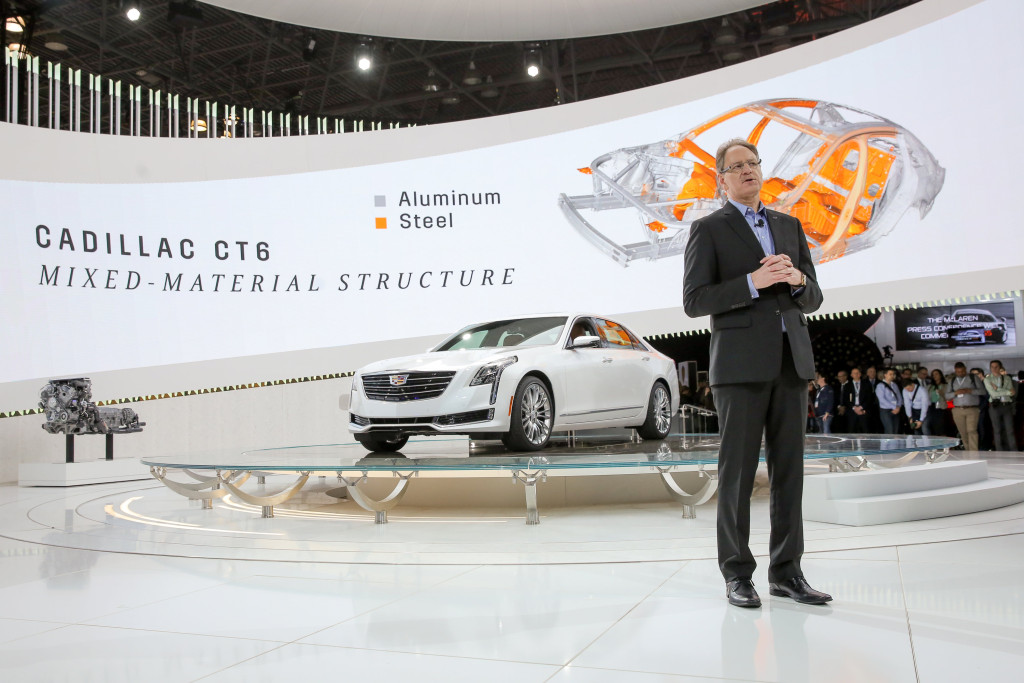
[(798, 589), (742, 594)]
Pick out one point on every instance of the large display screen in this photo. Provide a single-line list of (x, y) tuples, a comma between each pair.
[(950, 327), (891, 156)]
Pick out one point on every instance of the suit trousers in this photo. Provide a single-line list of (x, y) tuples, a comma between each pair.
[(966, 420), (776, 409), (1002, 426)]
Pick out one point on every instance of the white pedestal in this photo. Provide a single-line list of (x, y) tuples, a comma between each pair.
[(78, 473), (904, 494)]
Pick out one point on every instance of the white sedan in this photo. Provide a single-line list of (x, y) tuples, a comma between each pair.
[(518, 380)]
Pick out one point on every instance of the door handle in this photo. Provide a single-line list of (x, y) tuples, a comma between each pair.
[(606, 360), (646, 358)]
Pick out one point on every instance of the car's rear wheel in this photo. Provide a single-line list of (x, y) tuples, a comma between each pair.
[(659, 414), (532, 417), (381, 444)]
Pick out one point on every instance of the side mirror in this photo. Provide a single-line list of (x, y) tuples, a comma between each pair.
[(587, 340)]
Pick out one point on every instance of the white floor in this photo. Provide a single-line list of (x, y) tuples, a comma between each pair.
[(170, 592)]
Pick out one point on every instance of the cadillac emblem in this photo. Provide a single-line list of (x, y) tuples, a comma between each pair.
[(398, 380)]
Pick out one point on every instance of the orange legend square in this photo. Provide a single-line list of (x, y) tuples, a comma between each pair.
[(381, 223)]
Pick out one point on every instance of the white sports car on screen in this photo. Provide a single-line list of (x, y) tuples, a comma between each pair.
[(518, 380)]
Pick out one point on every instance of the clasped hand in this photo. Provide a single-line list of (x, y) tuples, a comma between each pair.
[(775, 269)]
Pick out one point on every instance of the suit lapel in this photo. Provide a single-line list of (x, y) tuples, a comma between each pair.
[(739, 225), (782, 245)]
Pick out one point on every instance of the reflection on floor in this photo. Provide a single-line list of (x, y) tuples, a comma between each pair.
[(169, 592)]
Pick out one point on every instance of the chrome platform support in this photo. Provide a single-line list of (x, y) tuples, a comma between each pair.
[(265, 502), (197, 491), (689, 500), (848, 464), (900, 462), (529, 479), (379, 508)]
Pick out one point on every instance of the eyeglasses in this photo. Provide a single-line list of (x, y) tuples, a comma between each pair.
[(736, 168)]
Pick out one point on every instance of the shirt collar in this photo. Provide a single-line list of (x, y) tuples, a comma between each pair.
[(743, 208)]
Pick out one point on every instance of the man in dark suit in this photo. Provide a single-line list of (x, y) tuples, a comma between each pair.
[(859, 400), (750, 269)]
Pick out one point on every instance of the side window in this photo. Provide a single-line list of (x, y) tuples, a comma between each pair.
[(637, 344), (582, 327), (613, 335)]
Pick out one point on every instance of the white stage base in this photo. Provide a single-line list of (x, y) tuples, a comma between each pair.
[(907, 493), (79, 473)]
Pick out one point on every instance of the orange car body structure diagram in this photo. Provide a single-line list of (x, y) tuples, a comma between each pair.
[(846, 174)]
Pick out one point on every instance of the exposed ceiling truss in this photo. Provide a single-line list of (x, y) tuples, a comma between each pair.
[(251, 62)]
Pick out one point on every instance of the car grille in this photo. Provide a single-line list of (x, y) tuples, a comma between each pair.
[(417, 386), (445, 420)]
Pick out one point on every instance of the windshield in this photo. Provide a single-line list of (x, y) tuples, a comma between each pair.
[(502, 333)]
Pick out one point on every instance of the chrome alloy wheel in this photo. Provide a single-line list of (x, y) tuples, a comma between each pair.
[(662, 409), (536, 413)]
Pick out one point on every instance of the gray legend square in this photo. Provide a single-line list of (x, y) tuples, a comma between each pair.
[(379, 200)]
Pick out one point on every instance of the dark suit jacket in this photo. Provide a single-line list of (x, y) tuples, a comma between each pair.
[(746, 333), (867, 395)]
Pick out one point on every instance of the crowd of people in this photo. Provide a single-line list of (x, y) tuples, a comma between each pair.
[(984, 410)]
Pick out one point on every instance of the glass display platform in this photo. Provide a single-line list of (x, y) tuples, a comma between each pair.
[(566, 456)]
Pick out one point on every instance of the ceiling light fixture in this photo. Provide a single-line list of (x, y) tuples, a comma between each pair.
[(489, 91), (472, 76), (726, 34), (132, 12), (532, 60), (15, 24), (309, 51), (55, 41), (364, 56), (431, 84)]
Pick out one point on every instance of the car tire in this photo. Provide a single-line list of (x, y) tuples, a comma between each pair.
[(380, 444), (659, 414), (533, 416)]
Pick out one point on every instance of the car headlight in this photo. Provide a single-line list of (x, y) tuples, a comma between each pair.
[(492, 371), (491, 374)]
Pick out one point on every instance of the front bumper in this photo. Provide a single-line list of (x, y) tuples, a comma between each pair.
[(461, 409)]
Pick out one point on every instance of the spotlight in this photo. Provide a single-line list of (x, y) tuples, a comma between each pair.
[(364, 56), (309, 51), (472, 76), (132, 12), (431, 84), (489, 90), (726, 34), (15, 24), (532, 61)]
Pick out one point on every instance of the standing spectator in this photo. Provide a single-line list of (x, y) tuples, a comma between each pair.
[(890, 402), (935, 424), (965, 392), (1019, 414), (824, 404), (905, 374), (922, 376), (984, 423), (1000, 397), (915, 402), (840, 421), (858, 399), (874, 379)]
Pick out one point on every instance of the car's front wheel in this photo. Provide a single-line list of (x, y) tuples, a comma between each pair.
[(532, 417), (378, 444), (659, 414)]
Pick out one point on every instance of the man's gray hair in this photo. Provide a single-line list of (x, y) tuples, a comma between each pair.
[(729, 144)]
